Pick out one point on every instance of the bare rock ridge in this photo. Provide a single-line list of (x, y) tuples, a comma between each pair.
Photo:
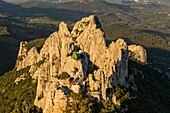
[(78, 61)]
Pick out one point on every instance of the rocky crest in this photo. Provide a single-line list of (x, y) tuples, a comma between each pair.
[(137, 53), (78, 61)]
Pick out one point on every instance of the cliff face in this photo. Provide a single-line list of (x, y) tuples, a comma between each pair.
[(76, 61)]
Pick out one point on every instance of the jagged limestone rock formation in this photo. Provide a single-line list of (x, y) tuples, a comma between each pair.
[(78, 62), (138, 53)]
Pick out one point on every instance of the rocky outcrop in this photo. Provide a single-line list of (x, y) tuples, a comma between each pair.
[(138, 53), (77, 61), (4, 31), (25, 57), (22, 77)]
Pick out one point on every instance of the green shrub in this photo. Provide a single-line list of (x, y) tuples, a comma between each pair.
[(75, 56), (63, 75), (80, 104), (122, 93), (83, 104), (107, 106)]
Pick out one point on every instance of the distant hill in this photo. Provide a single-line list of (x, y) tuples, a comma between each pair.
[(16, 1), (21, 1), (165, 2)]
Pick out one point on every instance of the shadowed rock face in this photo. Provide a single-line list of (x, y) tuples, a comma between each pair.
[(68, 61)]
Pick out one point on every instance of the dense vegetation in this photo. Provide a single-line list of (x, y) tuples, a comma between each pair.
[(81, 103), (63, 75), (17, 98), (37, 43), (153, 94)]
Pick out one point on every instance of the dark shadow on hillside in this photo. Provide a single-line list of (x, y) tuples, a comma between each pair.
[(159, 58), (156, 33), (153, 90), (59, 14), (9, 51)]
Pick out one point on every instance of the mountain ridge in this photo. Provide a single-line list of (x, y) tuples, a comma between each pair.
[(165, 2)]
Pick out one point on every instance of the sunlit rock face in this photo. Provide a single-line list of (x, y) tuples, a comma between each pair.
[(138, 53)]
